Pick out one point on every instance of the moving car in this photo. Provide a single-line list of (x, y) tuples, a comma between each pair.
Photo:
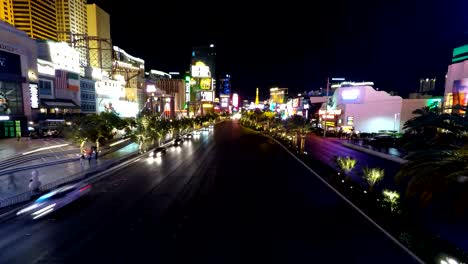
[(189, 135), (159, 151), (55, 200), (178, 141)]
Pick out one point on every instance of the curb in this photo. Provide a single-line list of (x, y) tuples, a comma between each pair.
[(375, 153)]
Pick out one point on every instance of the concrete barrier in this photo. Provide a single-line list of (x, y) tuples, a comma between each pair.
[(375, 153)]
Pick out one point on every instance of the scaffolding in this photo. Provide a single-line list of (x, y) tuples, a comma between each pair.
[(95, 52)]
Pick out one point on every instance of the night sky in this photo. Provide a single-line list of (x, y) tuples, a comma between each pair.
[(294, 45)]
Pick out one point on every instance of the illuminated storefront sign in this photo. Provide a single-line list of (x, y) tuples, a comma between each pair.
[(207, 106), (34, 93), (351, 94), (350, 120), (4, 118)]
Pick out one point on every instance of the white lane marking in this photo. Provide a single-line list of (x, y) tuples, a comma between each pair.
[(353, 205)]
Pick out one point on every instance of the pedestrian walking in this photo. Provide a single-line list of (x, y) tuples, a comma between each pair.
[(34, 182), (82, 159)]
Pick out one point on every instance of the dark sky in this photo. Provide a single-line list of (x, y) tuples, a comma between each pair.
[(294, 45)]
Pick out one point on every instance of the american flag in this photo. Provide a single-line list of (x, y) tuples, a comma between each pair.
[(61, 79)]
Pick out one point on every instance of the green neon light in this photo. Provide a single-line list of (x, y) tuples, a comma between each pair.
[(460, 50), (433, 102), (460, 59), (187, 78)]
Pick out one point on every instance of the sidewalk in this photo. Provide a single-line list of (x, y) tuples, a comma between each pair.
[(11, 146), (18, 182)]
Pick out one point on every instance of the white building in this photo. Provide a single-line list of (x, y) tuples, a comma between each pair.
[(360, 107), (366, 109)]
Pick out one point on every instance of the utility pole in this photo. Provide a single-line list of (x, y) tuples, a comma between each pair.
[(326, 108)]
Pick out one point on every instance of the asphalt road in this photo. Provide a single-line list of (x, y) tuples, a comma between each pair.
[(230, 196)]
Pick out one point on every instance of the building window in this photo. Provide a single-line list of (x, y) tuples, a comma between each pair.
[(45, 87)]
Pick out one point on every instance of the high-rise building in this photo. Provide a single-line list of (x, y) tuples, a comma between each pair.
[(71, 18), (203, 79), (100, 48), (207, 55), (6, 11), (37, 18)]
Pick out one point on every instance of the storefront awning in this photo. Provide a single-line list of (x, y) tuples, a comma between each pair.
[(59, 103)]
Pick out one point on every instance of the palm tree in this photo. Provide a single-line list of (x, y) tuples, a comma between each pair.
[(346, 164), (299, 125), (437, 147), (373, 176), (270, 116)]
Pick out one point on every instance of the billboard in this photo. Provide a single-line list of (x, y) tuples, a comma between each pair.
[(201, 71), (120, 107), (206, 96), (205, 84), (460, 90), (10, 63)]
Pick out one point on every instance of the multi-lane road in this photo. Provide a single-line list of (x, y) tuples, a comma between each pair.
[(227, 196)]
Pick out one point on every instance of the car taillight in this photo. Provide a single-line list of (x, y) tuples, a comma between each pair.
[(85, 188)]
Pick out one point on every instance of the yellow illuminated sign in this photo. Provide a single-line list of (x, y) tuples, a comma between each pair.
[(205, 84)]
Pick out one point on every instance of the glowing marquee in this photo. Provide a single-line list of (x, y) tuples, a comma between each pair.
[(351, 94)]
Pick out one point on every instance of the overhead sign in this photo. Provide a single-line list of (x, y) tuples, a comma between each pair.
[(34, 94), (10, 63)]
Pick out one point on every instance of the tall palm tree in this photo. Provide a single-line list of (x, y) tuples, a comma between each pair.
[(437, 152)]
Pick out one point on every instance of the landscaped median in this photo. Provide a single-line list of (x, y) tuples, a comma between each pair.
[(385, 208)]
